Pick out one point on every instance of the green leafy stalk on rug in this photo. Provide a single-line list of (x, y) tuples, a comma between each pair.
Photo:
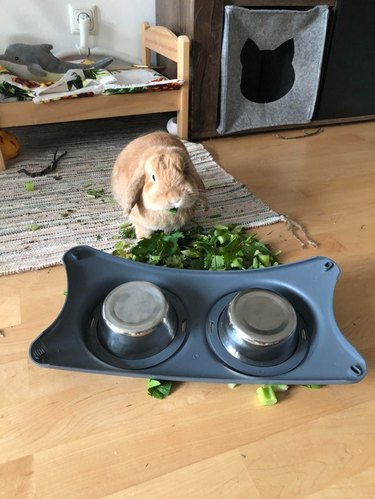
[(224, 247)]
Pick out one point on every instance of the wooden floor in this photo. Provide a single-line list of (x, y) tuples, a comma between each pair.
[(68, 434)]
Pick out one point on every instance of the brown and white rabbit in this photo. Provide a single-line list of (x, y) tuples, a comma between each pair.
[(156, 184)]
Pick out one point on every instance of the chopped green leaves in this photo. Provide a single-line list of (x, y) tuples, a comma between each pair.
[(220, 248), (98, 193), (29, 186), (34, 227), (127, 231), (94, 193), (173, 211), (158, 389)]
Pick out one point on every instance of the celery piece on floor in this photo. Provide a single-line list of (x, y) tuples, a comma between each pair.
[(266, 395), (158, 389), (279, 388)]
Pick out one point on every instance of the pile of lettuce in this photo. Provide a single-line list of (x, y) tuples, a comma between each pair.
[(224, 247)]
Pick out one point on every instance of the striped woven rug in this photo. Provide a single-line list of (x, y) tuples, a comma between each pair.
[(38, 226)]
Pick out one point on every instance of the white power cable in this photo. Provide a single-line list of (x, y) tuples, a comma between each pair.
[(85, 51)]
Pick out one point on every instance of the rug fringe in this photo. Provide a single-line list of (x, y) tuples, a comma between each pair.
[(295, 228)]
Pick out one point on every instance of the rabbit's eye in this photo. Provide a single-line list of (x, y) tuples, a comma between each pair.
[(153, 178)]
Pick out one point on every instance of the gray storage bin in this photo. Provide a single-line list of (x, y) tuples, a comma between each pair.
[(270, 66)]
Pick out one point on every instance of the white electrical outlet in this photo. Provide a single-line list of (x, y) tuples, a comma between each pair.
[(74, 13)]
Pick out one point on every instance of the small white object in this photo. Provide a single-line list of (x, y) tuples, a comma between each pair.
[(172, 126)]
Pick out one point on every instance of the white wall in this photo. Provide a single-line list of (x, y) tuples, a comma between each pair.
[(47, 21)]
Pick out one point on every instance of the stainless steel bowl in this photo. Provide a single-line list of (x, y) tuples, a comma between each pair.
[(137, 320), (259, 325)]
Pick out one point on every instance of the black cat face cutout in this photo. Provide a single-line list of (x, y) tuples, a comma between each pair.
[(267, 75)]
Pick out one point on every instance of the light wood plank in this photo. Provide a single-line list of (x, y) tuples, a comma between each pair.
[(101, 106), (10, 310), (359, 486), (223, 476), (334, 449), (17, 478), (162, 41), (183, 73)]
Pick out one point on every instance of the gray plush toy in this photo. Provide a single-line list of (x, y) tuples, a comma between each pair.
[(36, 62)]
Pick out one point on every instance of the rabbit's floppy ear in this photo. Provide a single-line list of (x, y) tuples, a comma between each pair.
[(199, 183), (134, 188)]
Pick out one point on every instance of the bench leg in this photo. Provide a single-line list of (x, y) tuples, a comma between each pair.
[(183, 50), (2, 162)]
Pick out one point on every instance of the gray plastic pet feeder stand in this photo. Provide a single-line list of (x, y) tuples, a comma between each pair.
[(320, 355)]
